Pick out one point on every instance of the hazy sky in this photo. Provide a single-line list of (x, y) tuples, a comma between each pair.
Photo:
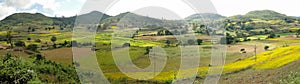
[(73, 7)]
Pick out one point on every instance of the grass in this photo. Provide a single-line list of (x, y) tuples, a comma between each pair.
[(266, 60), (235, 61)]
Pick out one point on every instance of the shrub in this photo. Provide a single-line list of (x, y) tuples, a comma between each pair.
[(199, 41), (126, 45), (272, 35), (168, 42), (191, 42), (28, 38), (32, 47), (20, 44), (37, 40), (53, 39), (243, 50), (266, 48)]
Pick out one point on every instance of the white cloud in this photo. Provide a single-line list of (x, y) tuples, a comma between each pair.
[(49, 6), (5, 11), (235, 7), (23, 4), (66, 13), (8, 7)]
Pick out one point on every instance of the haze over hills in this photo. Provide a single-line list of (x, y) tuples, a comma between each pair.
[(262, 14), (204, 17), (129, 19)]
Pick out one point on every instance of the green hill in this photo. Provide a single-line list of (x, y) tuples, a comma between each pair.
[(204, 17), (266, 15), (132, 20), (93, 17), (260, 22), (26, 19), (21, 21), (263, 15)]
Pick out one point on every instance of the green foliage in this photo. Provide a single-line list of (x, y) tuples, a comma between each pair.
[(266, 15), (266, 47), (19, 70), (16, 70), (228, 39), (272, 35), (32, 47), (204, 17), (168, 42), (37, 40), (292, 78), (148, 50), (199, 41), (191, 42), (20, 44), (27, 18), (53, 39)]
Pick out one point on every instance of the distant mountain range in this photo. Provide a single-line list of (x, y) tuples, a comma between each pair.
[(130, 18)]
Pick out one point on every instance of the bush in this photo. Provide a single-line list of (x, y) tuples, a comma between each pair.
[(126, 45), (191, 42), (28, 38), (32, 47), (37, 40), (272, 35), (53, 39), (243, 50), (266, 48), (20, 44), (199, 41), (168, 42), (23, 71)]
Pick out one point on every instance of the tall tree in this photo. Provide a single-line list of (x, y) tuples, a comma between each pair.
[(53, 39), (9, 37)]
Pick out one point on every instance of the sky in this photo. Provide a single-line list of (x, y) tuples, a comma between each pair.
[(146, 7)]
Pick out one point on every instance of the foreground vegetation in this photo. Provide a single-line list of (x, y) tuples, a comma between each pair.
[(34, 69), (40, 50)]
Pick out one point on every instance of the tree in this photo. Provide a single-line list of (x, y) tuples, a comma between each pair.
[(39, 57), (65, 43), (29, 29), (168, 42), (148, 50), (9, 37), (126, 45), (266, 48), (33, 30), (160, 32), (228, 39), (28, 38), (298, 32), (74, 43), (191, 42), (272, 35), (16, 71), (53, 39), (37, 40), (32, 47), (199, 41), (20, 44)]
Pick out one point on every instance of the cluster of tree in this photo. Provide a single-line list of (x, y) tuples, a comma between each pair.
[(35, 70), (30, 29), (188, 42), (49, 28)]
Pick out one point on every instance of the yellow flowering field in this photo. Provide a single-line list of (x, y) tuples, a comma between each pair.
[(266, 60)]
